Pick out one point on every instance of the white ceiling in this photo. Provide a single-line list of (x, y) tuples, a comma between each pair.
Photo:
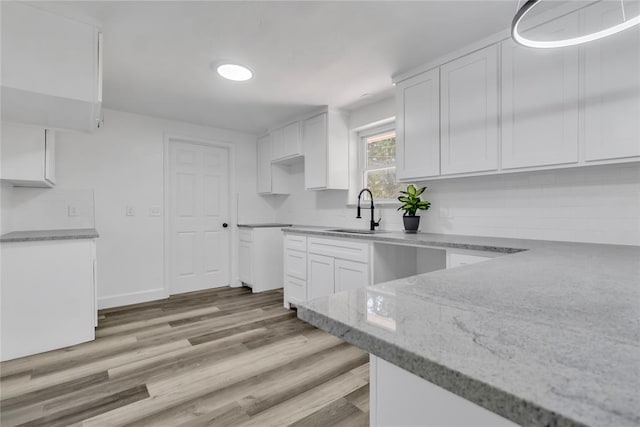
[(304, 53)]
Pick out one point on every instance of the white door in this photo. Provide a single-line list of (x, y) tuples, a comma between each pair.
[(199, 208), (320, 276), (418, 126), (350, 275)]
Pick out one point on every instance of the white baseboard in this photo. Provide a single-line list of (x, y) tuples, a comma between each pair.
[(131, 298), (235, 283)]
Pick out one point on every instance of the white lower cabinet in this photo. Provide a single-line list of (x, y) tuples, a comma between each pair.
[(400, 398), (317, 267), (260, 252), (51, 306)]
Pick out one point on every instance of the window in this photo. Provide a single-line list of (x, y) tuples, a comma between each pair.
[(378, 162)]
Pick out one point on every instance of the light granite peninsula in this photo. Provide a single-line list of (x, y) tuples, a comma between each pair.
[(547, 335)]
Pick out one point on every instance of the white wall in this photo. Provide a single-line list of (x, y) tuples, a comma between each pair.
[(123, 164), (595, 204)]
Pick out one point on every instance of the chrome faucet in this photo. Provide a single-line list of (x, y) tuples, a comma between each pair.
[(373, 224)]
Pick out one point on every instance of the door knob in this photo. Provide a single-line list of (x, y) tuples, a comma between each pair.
[(225, 225)]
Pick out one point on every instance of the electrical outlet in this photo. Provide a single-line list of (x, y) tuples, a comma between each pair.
[(130, 211), (72, 210), (155, 211)]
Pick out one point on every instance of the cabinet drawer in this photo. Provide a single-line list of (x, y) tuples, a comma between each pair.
[(295, 289), (246, 235), (295, 242), (296, 264), (352, 251)]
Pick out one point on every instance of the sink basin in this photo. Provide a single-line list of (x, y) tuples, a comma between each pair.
[(356, 231)]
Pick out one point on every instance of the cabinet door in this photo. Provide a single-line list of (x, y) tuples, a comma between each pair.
[(264, 164), (320, 276), (612, 88), (540, 99), (245, 264), (350, 275), (277, 144), (50, 156), (295, 290), (291, 137), (469, 113), (314, 140), (23, 155), (418, 126)]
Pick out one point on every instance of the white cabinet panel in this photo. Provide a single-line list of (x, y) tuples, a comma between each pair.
[(612, 88), (28, 155), (295, 290), (540, 100), (291, 140), (325, 142), (245, 264), (400, 398), (277, 144), (350, 275), (51, 69), (469, 113), (270, 179), (260, 252), (51, 306), (345, 249), (296, 242), (320, 278), (418, 126), (314, 135)]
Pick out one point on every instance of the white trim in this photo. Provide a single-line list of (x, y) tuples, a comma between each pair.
[(131, 298), (233, 213)]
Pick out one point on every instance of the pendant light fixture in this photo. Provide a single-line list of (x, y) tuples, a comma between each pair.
[(517, 36)]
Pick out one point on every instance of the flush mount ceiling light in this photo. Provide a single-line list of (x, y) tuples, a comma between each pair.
[(235, 72), (524, 41)]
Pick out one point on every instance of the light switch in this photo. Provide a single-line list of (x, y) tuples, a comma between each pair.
[(72, 210), (130, 211)]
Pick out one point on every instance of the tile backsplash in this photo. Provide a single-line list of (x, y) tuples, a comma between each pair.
[(599, 204)]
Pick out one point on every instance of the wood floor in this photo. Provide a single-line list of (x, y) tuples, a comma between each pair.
[(222, 357)]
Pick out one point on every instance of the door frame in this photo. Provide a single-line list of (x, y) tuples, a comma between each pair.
[(233, 211)]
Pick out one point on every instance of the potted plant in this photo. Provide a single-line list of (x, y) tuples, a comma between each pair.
[(411, 203)]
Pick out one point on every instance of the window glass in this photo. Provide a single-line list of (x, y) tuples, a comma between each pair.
[(379, 164)]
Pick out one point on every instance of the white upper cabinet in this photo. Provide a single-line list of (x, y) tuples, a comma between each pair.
[(271, 179), (28, 156), (287, 142), (469, 113), (51, 69), (325, 141), (277, 144), (540, 101), (418, 127), (612, 88)]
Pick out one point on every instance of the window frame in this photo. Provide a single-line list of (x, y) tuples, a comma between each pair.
[(362, 155)]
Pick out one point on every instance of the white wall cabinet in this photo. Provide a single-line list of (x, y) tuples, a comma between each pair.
[(51, 306), (28, 156), (51, 69), (469, 113), (325, 141), (418, 126), (287, 142), (271, 179), (260, 250), (540, 101), (612, 88)]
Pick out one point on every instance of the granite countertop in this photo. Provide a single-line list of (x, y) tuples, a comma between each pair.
[(549, 335), (264, 225), (35, 235)]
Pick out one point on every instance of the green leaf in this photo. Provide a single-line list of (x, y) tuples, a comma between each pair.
[(420, 191), (411, 190)]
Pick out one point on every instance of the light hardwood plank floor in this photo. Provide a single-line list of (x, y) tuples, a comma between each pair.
[(221, 357)]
